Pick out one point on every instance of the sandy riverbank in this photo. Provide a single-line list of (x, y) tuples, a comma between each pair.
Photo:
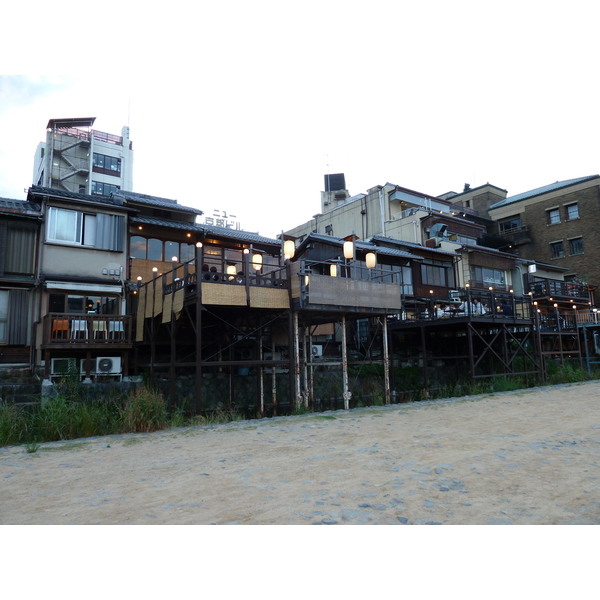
[(528, 457)]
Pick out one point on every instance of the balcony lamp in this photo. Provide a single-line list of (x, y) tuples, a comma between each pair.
[(198, 244), (139, 277), (289, 249), (348, 250), (174, 258), (333, 270), (257, 261), (371, 260)]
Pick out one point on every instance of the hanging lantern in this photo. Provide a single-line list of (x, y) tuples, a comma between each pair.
[(257, 261), (289, 249), (371, 259), (333, 270), (348, 250), (231, 272)]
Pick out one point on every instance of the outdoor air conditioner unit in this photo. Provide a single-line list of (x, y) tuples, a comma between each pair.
[(62, 366), (108, 365), (317, 350)]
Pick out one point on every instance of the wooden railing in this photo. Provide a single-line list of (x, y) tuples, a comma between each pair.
[(542, 288), (89, 330)]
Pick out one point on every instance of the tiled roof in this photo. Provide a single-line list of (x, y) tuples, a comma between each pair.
[(18, 206), (362, 245), (226, 232), (237, 234), (154, 201), (163, 223), (44, 191), (541, 190), (388, 240)]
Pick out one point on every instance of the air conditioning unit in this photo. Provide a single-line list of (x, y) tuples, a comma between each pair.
[(92, 366), (317, 350), (108, 365), (62, 366)]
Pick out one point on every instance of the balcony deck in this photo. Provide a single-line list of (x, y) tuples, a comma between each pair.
[(77, 331)]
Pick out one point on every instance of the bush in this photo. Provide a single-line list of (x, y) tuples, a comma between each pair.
[(145, 410)]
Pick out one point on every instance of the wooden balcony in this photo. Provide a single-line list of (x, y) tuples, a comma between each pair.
[(553, 288), (312, 291), (65, 331)]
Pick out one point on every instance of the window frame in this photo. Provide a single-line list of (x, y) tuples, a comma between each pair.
[(572, 243), (567, 209), (553, 216), (554, 246)]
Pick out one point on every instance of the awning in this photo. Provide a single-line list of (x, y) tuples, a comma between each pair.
[(116, 288)]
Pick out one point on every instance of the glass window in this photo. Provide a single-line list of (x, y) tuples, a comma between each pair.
[(56, 303), (576, 246), (171, 250), (103, 189), (89, 230), (64, 225), (3, 314), (75, 304), (138, 247), (553, 216), (187, 252), (511, 223), (557, 250), (155, 249), (572, 211)]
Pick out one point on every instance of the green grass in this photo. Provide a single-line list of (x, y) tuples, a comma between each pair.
[(69, 415)]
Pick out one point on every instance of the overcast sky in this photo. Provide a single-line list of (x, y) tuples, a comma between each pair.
[(244, 106)]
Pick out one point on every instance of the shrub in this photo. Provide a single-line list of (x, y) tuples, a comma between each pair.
[(145, 410)]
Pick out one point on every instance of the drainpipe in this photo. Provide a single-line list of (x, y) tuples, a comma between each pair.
[(382, 209), (415, 230)]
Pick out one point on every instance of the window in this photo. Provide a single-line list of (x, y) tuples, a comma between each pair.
[(553, 216), (486, 276), (101, 231), (17, 242), (437, 273), (155, 249), (188, 252), (103, 189), (13, 329), (3, 315), (576, 246), (572, 212), (171, 250), (138, 247), (109, 165), (87, 305), (508, 224), (557, 249)]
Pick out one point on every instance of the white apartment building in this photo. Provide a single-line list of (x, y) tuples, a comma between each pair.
[(79, 159)]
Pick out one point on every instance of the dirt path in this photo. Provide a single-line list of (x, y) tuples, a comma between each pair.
[(529, 457)]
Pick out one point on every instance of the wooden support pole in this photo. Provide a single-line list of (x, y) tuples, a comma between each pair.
[(347, 393), (199, 258), (386, 361), (297, 393), (305, 391)]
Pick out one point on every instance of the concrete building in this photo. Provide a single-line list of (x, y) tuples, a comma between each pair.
[(79, 159)]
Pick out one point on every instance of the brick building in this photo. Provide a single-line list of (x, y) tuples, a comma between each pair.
[(557, 224)]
